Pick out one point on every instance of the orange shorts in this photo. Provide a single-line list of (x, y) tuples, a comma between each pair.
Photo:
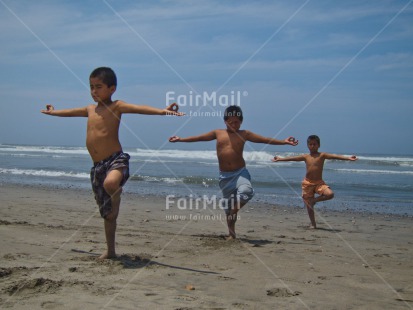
[(311, 187)]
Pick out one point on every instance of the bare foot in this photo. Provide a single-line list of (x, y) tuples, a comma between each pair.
[(309, 203), (107, 255), (231, 219), (312, 227), (230, 237)]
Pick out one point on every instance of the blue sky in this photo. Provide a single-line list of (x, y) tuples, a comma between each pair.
[(339, 69)]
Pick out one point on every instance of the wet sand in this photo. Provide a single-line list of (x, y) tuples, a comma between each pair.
[(179, 259)]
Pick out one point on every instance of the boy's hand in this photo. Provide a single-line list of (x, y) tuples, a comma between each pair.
[(275, 158), (353, 157), (49, 109), (172, 109), (291, 141), (174, 139)]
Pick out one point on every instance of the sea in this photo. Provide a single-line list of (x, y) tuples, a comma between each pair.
[(375, 183)]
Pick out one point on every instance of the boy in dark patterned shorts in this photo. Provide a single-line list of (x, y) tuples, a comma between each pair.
[(98, 175), (111, 169)]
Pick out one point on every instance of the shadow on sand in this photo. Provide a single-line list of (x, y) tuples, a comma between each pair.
[(132, 261)]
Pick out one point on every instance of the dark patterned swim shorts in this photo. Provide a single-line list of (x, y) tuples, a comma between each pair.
[(98, 175)]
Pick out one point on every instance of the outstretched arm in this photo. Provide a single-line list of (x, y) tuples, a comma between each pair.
[(339, 157), (172, 109), (253, 137), (65, 113), (209, 136), (292, 158)]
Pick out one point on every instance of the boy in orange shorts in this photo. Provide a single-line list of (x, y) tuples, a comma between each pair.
[(313, 182)]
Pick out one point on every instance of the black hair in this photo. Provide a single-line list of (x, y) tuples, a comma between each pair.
[(107, 75), (314, 137), (233, 110)]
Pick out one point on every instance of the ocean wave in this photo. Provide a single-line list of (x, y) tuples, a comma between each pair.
[(387, 160), (195, 155), (80, 175), (373, 171), (206, 182), (175, 154), (259, 157), (44, 173), (153, 179), (28, 155), (20, 149)]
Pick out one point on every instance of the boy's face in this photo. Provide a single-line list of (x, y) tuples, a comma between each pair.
[(312, 145), (100, 91), (233, 123)]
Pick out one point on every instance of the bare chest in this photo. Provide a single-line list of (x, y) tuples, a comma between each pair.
[(102, 119), (230, 140), (314, 163)]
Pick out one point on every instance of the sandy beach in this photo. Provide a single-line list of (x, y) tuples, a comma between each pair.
[(178, 259)]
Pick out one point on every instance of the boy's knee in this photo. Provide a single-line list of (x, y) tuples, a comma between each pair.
[(112, 187), (328, 194), (245, 193)]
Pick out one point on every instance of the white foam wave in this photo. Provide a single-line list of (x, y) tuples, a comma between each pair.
[(43, 149), (258, 156), (205, 155), (196, 155), (373, 171), (163, 179), (174, 154), (249, 156), (387, 158), (44, 173)]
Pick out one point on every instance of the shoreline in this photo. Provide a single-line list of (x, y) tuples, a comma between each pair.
[(258, 203), (51, 238)]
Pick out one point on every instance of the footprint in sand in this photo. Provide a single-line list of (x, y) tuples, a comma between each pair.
[(5, 272), (282, 292), (43, 286), (34, 286), (186, 297), (51, 305)]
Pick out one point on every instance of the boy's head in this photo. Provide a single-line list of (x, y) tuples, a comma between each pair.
[(233, 118), (233, 110), (313, 143), (106, 75), (314, 138), (102, 84)]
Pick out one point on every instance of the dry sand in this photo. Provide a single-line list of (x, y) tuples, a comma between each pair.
[(50, 239)]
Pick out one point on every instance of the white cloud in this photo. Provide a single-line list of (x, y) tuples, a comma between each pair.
[(206, 42)]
